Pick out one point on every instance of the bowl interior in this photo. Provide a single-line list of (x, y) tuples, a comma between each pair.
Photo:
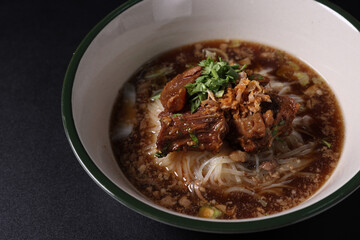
[(307, 29)]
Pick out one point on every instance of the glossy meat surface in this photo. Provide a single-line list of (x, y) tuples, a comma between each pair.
[(200, 131), (173, 96)]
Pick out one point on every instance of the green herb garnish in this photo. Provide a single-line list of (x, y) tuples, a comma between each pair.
[(209, 212), (275, 130), (215, 77), (195, 139), (256, 76), (177, 115), (282, 123), (326, 143), (162, 153), (156, 96), (243, 67)]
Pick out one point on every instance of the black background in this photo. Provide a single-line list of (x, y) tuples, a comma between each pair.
[(44, 192)]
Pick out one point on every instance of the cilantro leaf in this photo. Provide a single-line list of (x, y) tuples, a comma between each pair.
[(215, 77), (162, 153), (326, 143), (256, 76), (195, 139)]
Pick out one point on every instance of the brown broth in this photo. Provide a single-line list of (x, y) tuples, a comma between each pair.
[(163, 186)]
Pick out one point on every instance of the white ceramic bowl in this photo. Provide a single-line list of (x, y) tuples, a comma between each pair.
[(314, 31)]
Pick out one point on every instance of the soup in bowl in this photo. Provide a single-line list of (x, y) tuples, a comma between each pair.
[(205, 117)]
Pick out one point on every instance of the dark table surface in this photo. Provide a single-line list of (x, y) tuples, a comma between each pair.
[(44, 192)]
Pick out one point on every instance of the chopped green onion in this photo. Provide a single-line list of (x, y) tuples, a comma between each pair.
[(209, 212), (262, 202), (210, 54), (195, 139), (256, 76), (215, 77), (293, 65), (274, 130), (162, 153), (219, 94), (243, 67), (303, 78), (282, 123), (156, 96), (234, 43), (317, 80), (326, 143)]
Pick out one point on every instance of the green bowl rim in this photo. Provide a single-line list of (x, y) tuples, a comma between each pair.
[(176, 220)]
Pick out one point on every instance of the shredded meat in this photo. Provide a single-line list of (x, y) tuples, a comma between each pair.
[(249, 130), (203, 130), (250, 126), (228, 102), (243, 104), (245, 98), (258, 131), (285, 113), (256, 117), (173, 96)]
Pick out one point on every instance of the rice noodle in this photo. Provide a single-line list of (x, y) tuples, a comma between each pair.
[(239, 189), (276, 185), (300, 151), (205, 169)]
